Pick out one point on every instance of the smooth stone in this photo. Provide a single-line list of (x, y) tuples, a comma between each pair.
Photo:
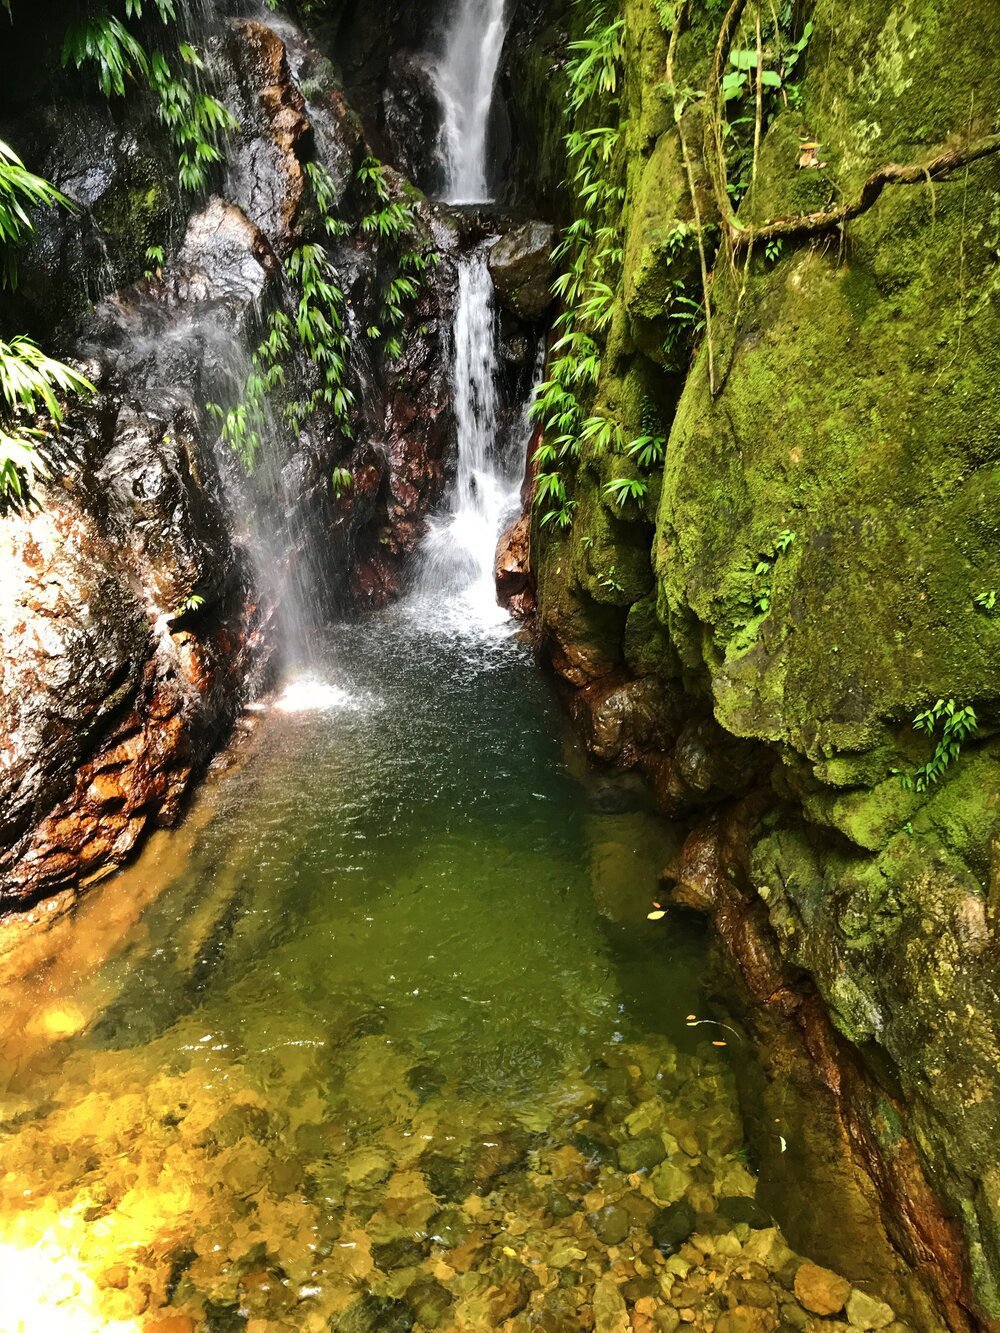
[(821, 1291), (367, 1167), (671, 1227), (374, 1314), (426, 1081), (610, 1225), (639, 1288), (739, 1208), (429, 1301), (399, 1253), (522, 270), (601, 1154), (669, 1182), (867, 1312), (559, 1204), (449, 1227), (745, 1319), (641, 1154)]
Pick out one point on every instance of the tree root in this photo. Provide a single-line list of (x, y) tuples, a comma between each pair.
[(914, 173)]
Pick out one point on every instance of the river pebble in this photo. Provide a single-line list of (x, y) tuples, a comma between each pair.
[(627, 1208)]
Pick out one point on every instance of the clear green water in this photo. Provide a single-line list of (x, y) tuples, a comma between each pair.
[(426, 858), (402, 937)]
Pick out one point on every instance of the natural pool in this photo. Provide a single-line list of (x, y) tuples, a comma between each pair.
[(381, 1039)]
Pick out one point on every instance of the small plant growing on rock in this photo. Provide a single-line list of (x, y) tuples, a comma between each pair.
[(342, 480), (623, 489), (956, 726), (612, 582), (986, 601)]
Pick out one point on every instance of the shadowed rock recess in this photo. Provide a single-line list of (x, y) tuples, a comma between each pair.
[(778, 547)]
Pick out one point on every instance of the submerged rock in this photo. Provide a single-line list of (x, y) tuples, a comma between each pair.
[(819, 1290), (671, 1227), (374, 1314)]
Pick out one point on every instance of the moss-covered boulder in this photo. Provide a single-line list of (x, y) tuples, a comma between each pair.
[(827, 547)]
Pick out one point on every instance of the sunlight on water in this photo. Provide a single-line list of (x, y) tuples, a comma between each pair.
[(307, 695)]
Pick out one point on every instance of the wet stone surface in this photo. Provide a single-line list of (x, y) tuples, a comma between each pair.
[(312, 1215)]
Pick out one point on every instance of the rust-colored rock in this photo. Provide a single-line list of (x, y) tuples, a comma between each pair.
[(270, 179), (821, 1290), (514, 579)]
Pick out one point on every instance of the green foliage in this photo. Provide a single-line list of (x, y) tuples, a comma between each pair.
[(20, 189), (597, 61), (109, 46), (319, 332), (155, 259), (956, 726), (765, 565), (196, 121), (649, 451), (590, 255), (623, 489), (612, 582), (986, 601), (393, 221), (779, 58), (783, 540), (342, 480), (30, 411), (190, 604), (685, 320)]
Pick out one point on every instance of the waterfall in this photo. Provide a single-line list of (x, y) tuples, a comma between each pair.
[(465, 76), (456, 583)]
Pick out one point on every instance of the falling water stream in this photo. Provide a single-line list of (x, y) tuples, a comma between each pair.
[(465, 76), (381, 1039)]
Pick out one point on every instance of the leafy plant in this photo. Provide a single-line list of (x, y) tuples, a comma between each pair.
[(195, 120), (590, 257), (20, 189), (986, 601), (623, 489), (783, 540), (342, 479), (190, 604), (612, 582), (109, 46), (956, 726), (30, 412), (155, 259)]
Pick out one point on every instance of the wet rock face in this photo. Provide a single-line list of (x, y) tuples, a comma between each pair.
[(522, 270), (109, 703), (264, 163), (135, 613), (514, 579)]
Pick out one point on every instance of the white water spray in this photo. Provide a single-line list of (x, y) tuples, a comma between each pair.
[(465, 76), (461, 546)]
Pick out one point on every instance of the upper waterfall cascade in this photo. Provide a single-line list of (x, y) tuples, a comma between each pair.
[(465, 76)]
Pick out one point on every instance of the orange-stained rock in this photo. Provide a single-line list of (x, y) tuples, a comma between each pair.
[(820, 1290)]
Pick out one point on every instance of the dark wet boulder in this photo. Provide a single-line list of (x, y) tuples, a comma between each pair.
[(671, 1227), (411, 115), (522, 271), (741, 1208)]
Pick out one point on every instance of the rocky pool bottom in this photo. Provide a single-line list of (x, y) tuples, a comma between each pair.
[(382, 1039)]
